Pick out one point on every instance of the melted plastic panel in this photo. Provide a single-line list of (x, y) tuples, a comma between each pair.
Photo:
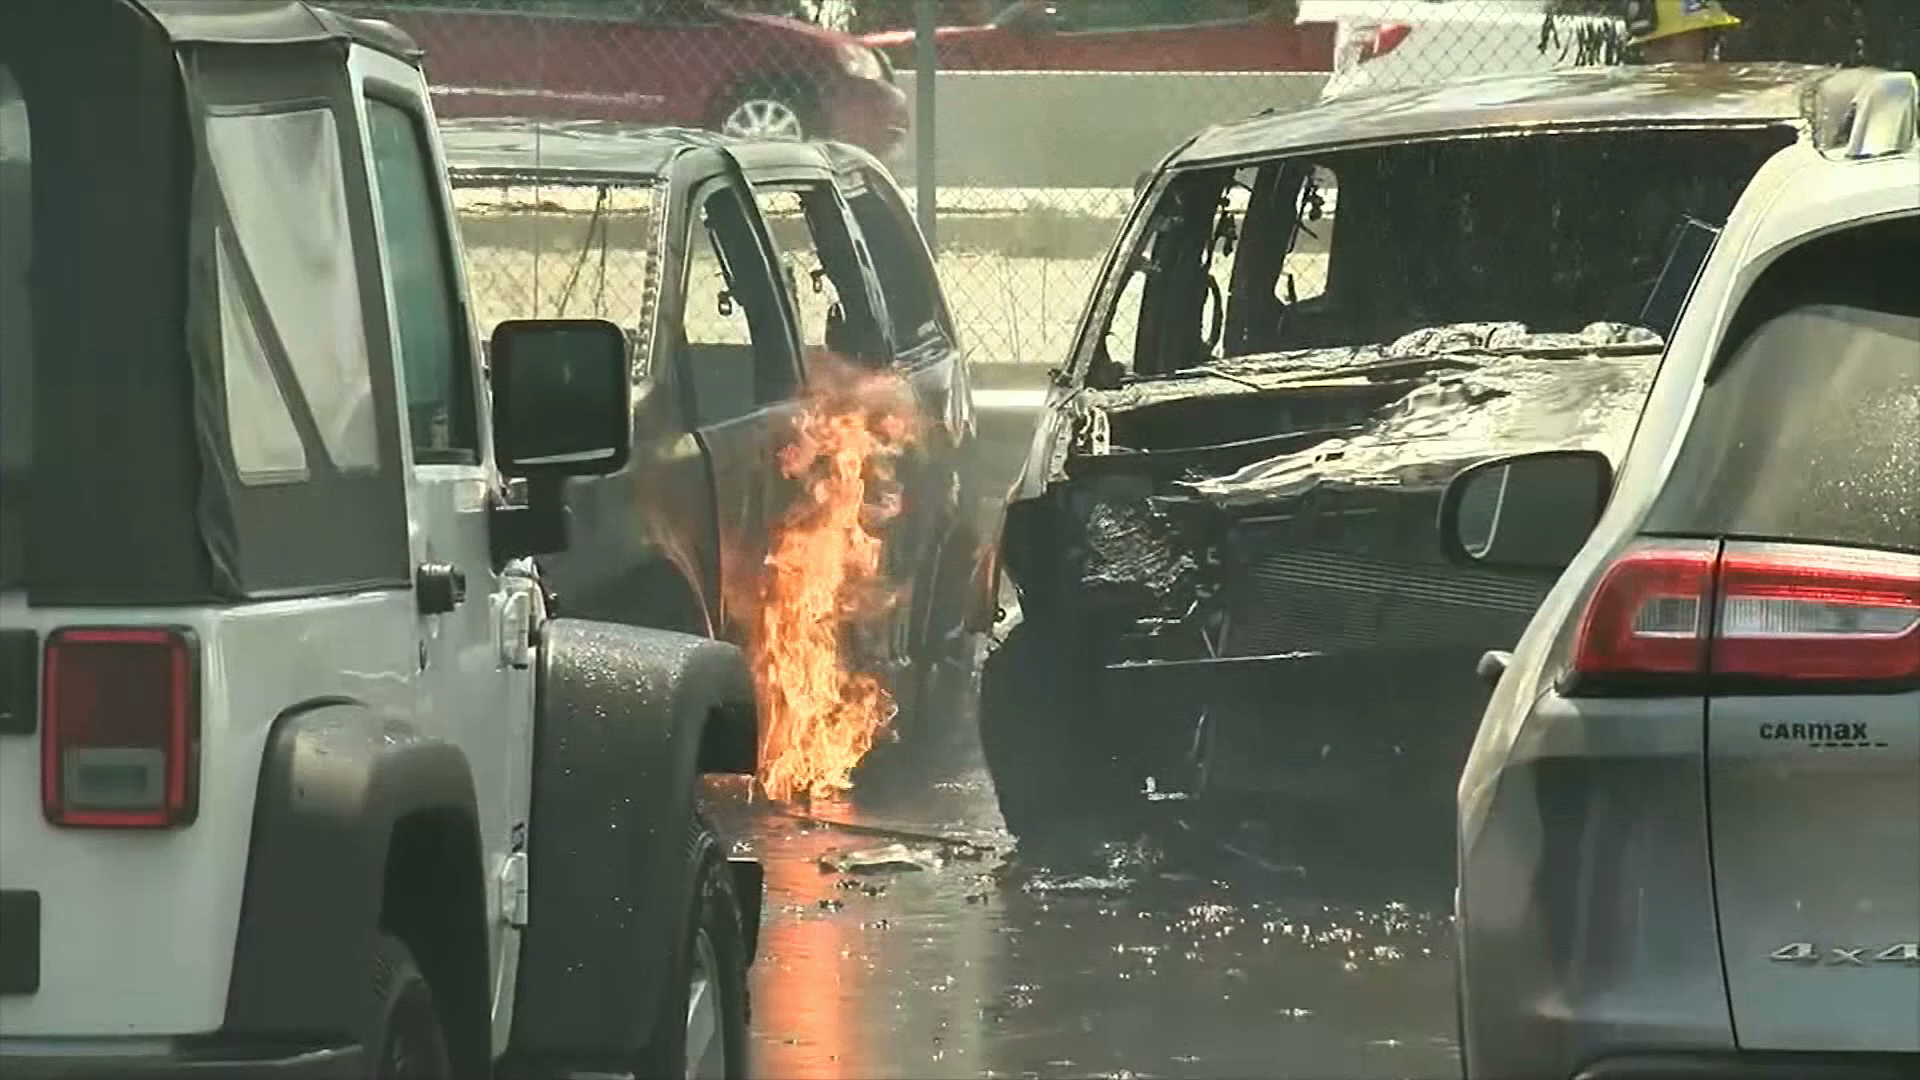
[(1528, 396), (1407, 410)]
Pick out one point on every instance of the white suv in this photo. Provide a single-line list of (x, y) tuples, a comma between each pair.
[(1689, 828), (296, 776)]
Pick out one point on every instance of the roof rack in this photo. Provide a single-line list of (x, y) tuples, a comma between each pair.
[(1864, 113)]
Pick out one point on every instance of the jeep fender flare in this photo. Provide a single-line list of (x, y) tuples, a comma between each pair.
[(628, 719), (335, 779)]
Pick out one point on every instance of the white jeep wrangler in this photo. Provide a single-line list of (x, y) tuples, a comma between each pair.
[(321, 790)]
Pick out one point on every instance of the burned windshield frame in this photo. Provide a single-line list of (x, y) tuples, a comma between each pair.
[(1209, 251), (1427, 235)]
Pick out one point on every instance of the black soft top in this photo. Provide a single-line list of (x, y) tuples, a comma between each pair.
[(134, 492), (272, 22)]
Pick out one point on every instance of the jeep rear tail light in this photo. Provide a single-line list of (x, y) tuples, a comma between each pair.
[(119, 728), (1807, 614), (1385, 38), (1648, 617)]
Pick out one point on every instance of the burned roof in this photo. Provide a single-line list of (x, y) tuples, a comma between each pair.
[(504, 147), (590, 151), (1677, 95), (272, 22)]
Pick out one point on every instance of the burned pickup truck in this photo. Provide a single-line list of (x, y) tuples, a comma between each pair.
[(1222, 543), (770, 290)]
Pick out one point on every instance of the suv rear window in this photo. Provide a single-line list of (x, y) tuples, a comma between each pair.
[(1809, 429)]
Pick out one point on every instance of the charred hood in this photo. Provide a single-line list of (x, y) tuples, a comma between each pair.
[(1404, 415)]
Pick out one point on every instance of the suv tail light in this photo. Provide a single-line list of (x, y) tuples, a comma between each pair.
[(119, 728), (1822, 614), (1759, 612), (1386, 38), (1649, 615)]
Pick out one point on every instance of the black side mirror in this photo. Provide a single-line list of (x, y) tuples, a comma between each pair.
[(1529, 512), (560, 409), (560, 397)]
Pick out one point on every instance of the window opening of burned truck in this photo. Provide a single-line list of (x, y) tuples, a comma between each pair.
[(814, 290), (735, 346), (1555, 230), (822, 271), (912, 298), (596, 230), (530, 257)]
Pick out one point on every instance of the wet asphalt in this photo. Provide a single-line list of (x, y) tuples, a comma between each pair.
[(1188, 943), (1189, 940)]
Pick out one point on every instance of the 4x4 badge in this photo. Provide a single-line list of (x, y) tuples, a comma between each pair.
[(1805, 952)]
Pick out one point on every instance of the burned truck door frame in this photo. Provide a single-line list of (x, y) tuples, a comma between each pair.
[(1181, 240), (737, 446), (860, 332), (1253, 306), (1171, 300)]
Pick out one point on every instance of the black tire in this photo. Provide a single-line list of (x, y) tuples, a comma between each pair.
[(1052, 767), (712, 913), (406, 1035)]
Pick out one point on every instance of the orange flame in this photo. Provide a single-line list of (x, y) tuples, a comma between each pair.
[(824, 576)]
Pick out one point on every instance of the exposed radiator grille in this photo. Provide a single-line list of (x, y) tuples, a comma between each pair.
[(1287, 600)]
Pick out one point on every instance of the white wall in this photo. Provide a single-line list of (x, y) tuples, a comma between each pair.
[(1082, 129)]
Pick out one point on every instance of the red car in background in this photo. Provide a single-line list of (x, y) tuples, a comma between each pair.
[(1137, 35), (688, 63)]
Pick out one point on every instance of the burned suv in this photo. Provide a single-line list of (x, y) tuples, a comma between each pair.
[(1222, 543)]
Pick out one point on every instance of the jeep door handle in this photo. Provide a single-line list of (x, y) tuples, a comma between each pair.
[(438, 588)]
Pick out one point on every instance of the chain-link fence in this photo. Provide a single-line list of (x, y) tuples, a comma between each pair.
[(1044, 113)]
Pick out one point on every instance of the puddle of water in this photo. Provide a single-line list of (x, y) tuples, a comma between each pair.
[(1161, 955)]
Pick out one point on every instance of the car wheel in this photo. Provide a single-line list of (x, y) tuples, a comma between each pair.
[(701, 1031), (406, 1037), (772, 110), (1051, 766)]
